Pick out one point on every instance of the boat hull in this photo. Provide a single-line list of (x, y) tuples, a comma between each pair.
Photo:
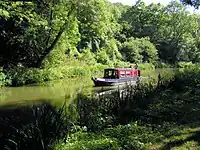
[(114, 82)]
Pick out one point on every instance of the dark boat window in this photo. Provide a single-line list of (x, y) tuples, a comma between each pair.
[(109, 74)]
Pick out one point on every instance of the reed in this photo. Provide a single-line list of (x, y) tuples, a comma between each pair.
[(36, 127)]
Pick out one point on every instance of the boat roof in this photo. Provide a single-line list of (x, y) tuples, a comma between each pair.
[(119, 68)]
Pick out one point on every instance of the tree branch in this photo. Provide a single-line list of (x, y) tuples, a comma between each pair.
[(51, 47)]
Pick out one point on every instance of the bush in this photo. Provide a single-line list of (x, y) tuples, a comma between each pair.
[(88, 141), (185, 65), (112, 50), (102, 57), (4, 79), (24, 76), (88, 57), (139, 50), (32, 128), (146, 66), (163, 65), (131, 136), (120, 64)]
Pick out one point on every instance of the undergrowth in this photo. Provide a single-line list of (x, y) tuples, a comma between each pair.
[(160, 113), (149, 116)]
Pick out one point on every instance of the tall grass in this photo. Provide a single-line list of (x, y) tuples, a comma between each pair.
[(138, 102), (121, 107), (140, 116), (24, 76), (129, 119), (32, 128)]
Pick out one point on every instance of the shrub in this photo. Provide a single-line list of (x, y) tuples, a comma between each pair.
[(88, 57), (120, 64), (112, 50), (24, 76), (81, 140), (102, 57), (146, 66), (4, 79), (185, 65), (132, 136), (162, 65), (32, 128), (139, 50)]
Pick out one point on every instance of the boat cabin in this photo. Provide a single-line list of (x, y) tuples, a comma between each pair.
[(117, 73)]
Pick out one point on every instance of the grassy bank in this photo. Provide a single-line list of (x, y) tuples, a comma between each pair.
[(22, 76), (32, 127), (161, 114)]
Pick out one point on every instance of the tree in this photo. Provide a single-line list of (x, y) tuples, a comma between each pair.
[(144, 20), (194, 3), (174, 33), (31, 30), (137, 50), (95, 24)]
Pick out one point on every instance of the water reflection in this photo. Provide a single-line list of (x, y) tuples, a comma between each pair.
[(55, 91), (59, 91)]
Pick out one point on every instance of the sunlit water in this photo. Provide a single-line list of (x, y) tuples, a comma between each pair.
[(57, 92)]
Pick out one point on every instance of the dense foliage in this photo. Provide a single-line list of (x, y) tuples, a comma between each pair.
[(47, 39), (194, 3), (159, 114), (162, 113), (52, 34), (32, 127)]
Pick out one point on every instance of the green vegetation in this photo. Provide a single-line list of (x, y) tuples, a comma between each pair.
[(22, 76), (131, 136), (139, 50), (49, 40), (4, 79), (194, 3), (54, 39), (32, 127), (161, 114)]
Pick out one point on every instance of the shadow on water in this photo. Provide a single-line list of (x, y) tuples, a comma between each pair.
[(32, 127), (35, 125), (58, 91), (38, 124)]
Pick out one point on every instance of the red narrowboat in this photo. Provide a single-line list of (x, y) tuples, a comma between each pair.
[(116, 76)]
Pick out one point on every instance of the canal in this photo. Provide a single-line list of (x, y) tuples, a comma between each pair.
[(56, 92)]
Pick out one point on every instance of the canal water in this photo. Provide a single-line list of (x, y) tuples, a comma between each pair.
[(56, 92)]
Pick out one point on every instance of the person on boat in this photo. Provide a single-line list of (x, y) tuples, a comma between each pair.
[(136, 66), (113, 75)]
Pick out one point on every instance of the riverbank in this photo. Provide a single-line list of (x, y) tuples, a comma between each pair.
[(159, 115), (26, 76)]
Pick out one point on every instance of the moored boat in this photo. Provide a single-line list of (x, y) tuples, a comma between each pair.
[(117, 76)]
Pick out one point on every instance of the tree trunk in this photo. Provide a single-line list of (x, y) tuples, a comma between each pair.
[(51, 47)]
